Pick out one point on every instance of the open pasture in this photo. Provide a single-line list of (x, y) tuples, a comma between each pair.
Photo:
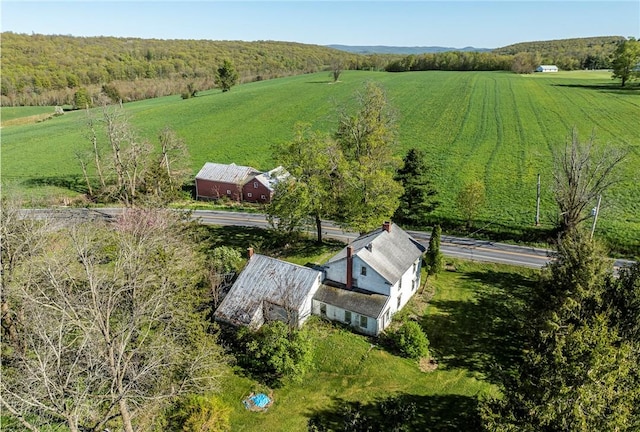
[(497, 127)]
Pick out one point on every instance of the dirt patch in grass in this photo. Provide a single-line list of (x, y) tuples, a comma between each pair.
[(428, 364)]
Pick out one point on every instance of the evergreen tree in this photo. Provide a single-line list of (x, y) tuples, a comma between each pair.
[(433, 259), (578, 374), (226, 76), (418, 199)]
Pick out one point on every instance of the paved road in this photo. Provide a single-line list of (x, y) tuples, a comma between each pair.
[(457, 247)]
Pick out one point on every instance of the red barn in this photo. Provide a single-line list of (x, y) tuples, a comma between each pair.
[(220, 180)]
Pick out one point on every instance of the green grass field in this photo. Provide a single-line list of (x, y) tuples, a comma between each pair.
[(472, 323), (493, 126)]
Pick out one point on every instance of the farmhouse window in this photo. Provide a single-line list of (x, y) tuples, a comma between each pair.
[(363, 271), (255, 185), (347, 317), (263, 197), (413, 285), (363, 321), (399, 301), (249, 194), (228, 191)]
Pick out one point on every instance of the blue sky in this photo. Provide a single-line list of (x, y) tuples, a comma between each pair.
[(453, 23)]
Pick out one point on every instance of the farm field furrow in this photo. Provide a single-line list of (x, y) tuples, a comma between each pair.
[(496, 127)]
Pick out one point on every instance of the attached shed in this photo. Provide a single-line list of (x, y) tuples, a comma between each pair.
[(216, 180), (364, 311), (547, 68), (269, 289)]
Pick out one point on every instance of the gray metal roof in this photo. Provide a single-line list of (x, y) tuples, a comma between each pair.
[(266, 279), (232, 173), (361, 302), (271, 178), (390, 254)]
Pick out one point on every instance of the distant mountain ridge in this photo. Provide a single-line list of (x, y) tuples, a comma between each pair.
[(383, 49)]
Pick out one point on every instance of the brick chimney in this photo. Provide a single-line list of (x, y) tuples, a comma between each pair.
[(386, 226), (349, 266), (249, 252)]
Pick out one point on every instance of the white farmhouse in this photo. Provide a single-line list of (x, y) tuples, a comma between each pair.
[(371, 279), (362, 286)]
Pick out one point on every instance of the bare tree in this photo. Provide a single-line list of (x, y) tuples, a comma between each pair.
[(581, 173), (110, 326)]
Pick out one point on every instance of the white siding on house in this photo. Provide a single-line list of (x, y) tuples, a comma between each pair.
[(335, 313)]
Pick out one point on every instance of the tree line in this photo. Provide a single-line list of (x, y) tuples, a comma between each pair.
[(48, 69)]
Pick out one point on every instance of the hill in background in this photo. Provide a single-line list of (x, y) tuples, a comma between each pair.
[(383, 49)]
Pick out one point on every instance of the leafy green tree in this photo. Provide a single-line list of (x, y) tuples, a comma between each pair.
[(626, 61), (290, 209), (314, 160), (82, 99), (226, 76), (368, 194), (276, 352), (470, 200), (433, 258), (419, 197)]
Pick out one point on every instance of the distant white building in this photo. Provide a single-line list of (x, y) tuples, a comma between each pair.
[(547, 68)]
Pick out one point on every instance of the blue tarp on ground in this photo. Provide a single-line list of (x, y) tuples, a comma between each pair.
[(261, 400)]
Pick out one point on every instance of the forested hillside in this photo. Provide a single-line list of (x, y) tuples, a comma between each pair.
[(569, 54), (48, 69)]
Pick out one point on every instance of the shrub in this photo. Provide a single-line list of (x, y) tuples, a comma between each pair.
[(410, 341), (197, 413), (275, 352)]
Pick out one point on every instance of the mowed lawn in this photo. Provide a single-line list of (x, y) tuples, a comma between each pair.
[(473, 323), (496, 127)]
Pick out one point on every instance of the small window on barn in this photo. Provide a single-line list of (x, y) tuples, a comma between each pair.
[(347, 317), (255, 185), (363, 271), (399, 301), (249, 194), (363, 321), (228, 191), (413, 285), (263, 197), (323, 309)]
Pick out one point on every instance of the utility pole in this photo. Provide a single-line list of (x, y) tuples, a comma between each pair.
[(538, 203), (595, 216)]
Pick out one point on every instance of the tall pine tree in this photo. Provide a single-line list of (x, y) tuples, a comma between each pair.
[(419, 197)]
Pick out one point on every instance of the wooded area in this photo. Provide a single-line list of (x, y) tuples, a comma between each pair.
[(51, 69)]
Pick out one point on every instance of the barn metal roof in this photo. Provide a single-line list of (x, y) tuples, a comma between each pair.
[(390, 254), (358, 301), (232, 173), (271, 178), (266, 279)]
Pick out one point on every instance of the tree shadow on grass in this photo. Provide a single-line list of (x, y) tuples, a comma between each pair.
[(72, 182), (614, 88), (263, 241), (404, 412), (486, 334)]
